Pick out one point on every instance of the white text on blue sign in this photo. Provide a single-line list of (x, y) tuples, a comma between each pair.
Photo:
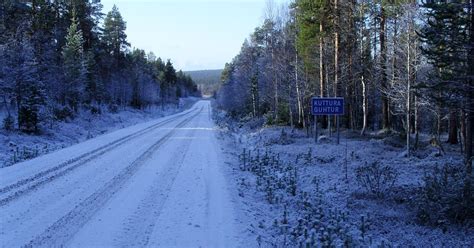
[(327, 106)]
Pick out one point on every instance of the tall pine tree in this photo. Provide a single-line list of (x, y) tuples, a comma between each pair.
[(114, 35), (21, 74), (74, 66), (448, 38)]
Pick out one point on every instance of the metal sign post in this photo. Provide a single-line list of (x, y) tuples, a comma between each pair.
[(316, 128), (329, 106)]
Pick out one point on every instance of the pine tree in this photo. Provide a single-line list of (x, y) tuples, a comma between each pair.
[(169, 79), (313, 26), (170, 73), (74, 65), (114, 35), (89, 14), (31, 99), (92, 89), (449, 41), (21, 71)]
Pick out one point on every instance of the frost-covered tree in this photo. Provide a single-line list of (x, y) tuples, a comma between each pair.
[(32, 98), (77, 63), (22, 81), (448, 38), (168, 83)]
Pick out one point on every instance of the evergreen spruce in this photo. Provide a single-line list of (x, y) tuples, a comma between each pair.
[(74, 66)]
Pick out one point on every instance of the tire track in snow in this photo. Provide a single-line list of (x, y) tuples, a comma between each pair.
[(65, 228), (24, 186), (141, 223)]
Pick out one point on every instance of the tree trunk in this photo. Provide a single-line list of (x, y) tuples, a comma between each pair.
[(462, 132), (438, 124), (255, 103), (364, 84), (469, 134), (364, 105), (5, 102), (408, 96), (321, 62), (322, 78), (350, 97), (453, 128), (383, 62), (327, 91), (336, 56), (303, 97), (470, 115), (298, 94), (275, 82), (416, 124), (290, 109), (18, 105)]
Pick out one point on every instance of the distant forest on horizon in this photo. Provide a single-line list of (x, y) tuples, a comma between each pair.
[(208, 81)]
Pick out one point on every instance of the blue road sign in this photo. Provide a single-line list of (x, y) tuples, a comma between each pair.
[(327, 106)]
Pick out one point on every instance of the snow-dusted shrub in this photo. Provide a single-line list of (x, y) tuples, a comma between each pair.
[(25, 153), (307, 220), (284, 138), (318, 224), (113, 108), (442, 196), (269, 121), (395, 141), (63, 113), (283, 114), (375, 178), (308, 157), (325, 160), (8, 123), (273, 177), (323, 139), (95, 110)]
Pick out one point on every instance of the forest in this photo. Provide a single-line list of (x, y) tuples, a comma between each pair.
[(402, 66), (234, 157), (58, 58), (207, 80)]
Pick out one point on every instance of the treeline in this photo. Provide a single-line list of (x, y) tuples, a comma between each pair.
[(400, 65), (60, 57), (208, 81)]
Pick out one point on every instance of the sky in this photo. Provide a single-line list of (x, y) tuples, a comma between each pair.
[(194, 34)]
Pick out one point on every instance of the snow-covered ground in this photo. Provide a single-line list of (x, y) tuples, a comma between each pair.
[(182, 181), (160, 184), (17, 146), (298, 195)]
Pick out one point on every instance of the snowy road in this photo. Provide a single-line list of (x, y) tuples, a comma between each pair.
[(155, 184)]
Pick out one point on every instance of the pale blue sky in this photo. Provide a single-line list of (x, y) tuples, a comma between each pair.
[(194, 34)]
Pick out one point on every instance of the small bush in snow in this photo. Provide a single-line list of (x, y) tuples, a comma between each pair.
[(375, 178), (269, 121), (24, 153), (308, 157), (285, 138), (306, 220), (113, 108), (63, 113), (442, 196), (8, 123), (95, 110)]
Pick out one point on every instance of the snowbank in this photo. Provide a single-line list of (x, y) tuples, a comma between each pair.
[(17, 146)]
